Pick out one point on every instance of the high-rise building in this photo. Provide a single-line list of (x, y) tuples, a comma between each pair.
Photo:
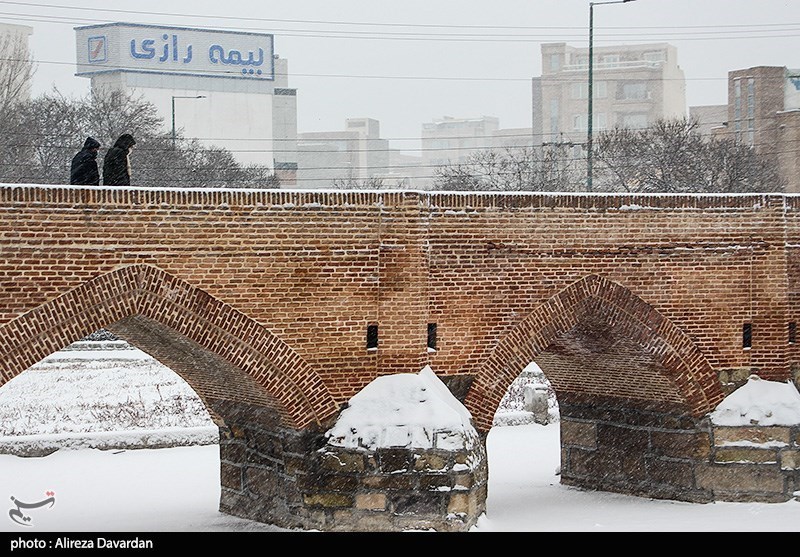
[(764, 112), (227, 89), (633, 86)]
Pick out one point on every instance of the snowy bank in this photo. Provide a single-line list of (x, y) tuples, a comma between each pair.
[(41, 445)]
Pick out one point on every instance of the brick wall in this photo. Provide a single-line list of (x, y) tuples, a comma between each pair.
[(283, 284)]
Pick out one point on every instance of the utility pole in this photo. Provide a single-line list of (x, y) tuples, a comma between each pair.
[(589, 153), (173, 112)]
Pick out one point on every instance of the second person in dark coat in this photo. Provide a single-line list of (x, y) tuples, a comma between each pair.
[(117, 164)]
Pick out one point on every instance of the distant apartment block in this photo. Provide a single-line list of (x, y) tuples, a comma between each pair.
[(353, 157), (449, 141), (763, 111), (633, 86), (16, 69), (357, 156), (709, 118)]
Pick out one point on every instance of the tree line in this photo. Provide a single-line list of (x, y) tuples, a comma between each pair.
[(671, 156), (39, 137)]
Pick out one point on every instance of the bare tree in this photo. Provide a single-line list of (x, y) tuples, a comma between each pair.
[(41, 136), (108, 113), (352, 183), (548, 168), (672, 157)]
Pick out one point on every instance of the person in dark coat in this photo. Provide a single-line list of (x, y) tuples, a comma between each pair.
[(117, 164), (84, 170)]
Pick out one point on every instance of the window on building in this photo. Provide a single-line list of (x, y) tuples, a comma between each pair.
[(609, 59), (635, 121), (555, 62), (372, 337), (554, 116), (744, 124), (654, 56), (432, 336), (634, 91), (581, 90), (580, 122), (599, 90), (737, 99)]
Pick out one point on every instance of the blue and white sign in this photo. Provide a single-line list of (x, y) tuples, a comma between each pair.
[(174, 50)]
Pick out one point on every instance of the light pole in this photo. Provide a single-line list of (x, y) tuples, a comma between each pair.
[(173, 112), (591, 64)]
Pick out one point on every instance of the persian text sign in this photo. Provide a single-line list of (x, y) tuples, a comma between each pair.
[(131, 47)]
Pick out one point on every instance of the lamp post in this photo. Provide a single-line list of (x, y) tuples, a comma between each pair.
[(173, 112), (591, 64)]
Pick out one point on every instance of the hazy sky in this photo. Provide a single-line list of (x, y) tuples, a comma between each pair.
[(405, 63)]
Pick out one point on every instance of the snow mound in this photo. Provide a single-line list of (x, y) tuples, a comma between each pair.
[(404, 410), (759, 402)]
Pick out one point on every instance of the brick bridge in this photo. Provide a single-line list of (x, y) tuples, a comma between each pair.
[(636, 307)]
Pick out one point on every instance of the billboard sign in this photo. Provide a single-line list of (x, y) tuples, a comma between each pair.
[(174, 50)]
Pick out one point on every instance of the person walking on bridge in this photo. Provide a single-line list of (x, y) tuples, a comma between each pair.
[(117, 163), (83, 171)]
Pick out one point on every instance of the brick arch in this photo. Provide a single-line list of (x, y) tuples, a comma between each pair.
[(650, 330), (262, 369)]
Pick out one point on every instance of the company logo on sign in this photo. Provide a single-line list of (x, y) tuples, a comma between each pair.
[(97, 49)]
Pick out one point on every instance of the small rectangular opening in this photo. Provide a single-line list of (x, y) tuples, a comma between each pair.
[(432, 336), (747, 335), (372, 337), (792, 332)]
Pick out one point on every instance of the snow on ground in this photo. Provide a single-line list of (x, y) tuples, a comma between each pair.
[(177, 489), (100, 395)]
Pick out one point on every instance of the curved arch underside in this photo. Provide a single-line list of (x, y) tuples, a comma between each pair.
[(597, 340), (175, 322)]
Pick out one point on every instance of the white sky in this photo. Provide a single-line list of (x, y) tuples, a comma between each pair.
[(408, 64)]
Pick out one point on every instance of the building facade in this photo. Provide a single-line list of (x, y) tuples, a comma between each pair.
[(354, 156), (226, 89), (764, 112), (451, 141), (16, 70), (633, 87)]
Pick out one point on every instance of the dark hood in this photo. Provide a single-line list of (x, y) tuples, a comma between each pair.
[(91, 143), (125, 141)]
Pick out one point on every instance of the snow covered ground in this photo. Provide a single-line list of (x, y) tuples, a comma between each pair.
[(177, 489)]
